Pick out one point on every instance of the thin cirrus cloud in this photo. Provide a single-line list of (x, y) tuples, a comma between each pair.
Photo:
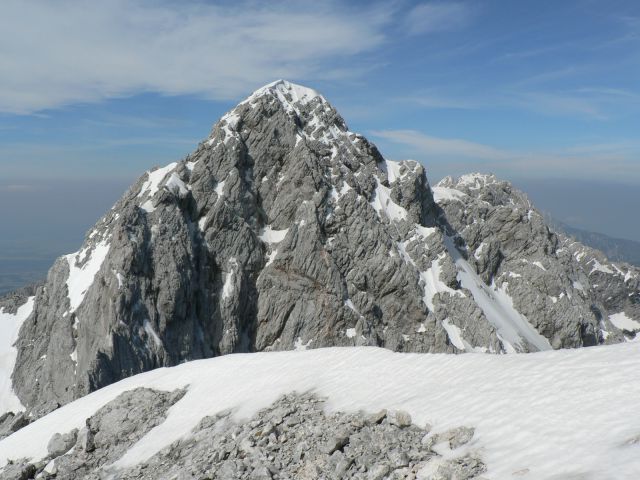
[(74, 51), (569, 104), (583, 103), (455, 156), (438, 17), (597, 103), (419, 142)]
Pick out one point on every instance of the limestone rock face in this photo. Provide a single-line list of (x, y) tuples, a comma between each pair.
[(283, 230), (292, 438), (570, 293)]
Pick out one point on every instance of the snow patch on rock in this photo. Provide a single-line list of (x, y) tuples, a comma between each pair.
[(299, 345), (227, 288), (442, 194), (81, 278), (454, 334), (220, 189), (398, 170), (623, 322), (175, 185), (271, 236), (384, 205), (154, 178), (9, 327), (287, 93), (433, 285), (148, 206), (497, 306), (598, 267)]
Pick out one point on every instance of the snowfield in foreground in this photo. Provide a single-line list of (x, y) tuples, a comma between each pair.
[(555, 414)]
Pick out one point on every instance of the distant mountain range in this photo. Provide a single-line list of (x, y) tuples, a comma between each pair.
[(615, 249)]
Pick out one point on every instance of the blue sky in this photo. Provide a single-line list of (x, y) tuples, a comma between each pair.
[(92, 94), (522, 89)]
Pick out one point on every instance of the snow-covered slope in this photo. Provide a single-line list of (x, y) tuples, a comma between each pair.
[(512, 327), (556, 414), (9, 327)]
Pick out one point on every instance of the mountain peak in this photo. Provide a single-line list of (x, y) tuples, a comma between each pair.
[(286, 230), (308, 117), (473, 181), (483, 187), (287, 92)]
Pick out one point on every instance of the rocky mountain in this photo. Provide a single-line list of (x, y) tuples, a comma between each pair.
[(285, 230), (551, 278), (615, 249)]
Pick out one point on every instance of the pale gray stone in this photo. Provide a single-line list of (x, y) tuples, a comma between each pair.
[(61, 443), (192, 271), (221, 448), (400, 418)]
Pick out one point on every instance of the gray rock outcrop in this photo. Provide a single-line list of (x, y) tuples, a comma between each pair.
[(285, 230), (12, 422), (293, 438), (567, 291), (60, 444), (10, 302)]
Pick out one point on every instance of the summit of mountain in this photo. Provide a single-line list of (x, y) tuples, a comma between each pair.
[(285, 230)]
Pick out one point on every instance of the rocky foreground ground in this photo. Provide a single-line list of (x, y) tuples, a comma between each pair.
[(295, 438)]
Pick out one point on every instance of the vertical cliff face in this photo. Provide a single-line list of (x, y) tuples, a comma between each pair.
[(285, 230)]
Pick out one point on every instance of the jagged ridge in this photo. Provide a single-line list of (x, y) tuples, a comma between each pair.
[(286, 230)]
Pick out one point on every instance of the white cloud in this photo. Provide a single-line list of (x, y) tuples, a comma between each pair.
[(437, 101), (17, 187), (614, 161), (438, 98), (595, 103), (420, 142), (592, 103), (560, 104), (438, 16), (69, 51)]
